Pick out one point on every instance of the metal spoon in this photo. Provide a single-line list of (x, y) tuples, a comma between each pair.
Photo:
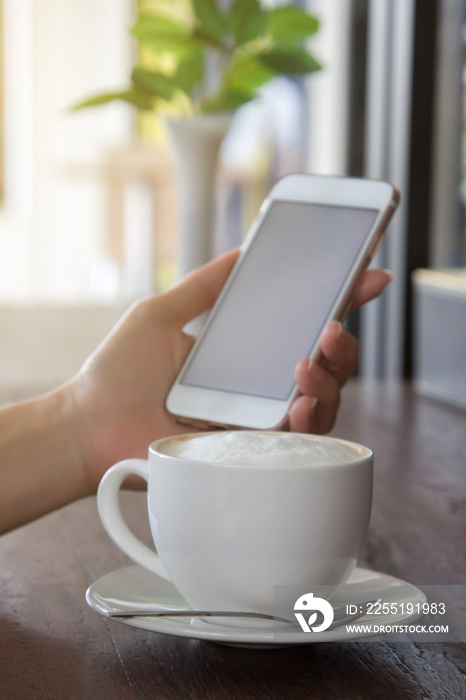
[(346, 619), (194, 613)]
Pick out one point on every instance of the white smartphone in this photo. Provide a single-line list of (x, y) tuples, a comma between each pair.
[(298, 268)]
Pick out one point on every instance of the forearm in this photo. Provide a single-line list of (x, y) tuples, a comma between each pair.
[(40, 463)]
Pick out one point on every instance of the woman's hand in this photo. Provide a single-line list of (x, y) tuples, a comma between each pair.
[(120, 391)]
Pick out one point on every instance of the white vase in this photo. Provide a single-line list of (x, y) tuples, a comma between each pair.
[(196, 143)]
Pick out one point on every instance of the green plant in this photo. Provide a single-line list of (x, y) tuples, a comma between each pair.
[(244, 46)]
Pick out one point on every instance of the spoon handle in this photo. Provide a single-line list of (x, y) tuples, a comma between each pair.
[(194, 613)]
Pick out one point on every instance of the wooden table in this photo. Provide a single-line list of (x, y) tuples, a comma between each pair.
[(53, 646)]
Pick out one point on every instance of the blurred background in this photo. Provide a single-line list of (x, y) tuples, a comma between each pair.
[(88, 200)]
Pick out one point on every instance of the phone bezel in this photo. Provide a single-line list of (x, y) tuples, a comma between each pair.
[(226, 409)]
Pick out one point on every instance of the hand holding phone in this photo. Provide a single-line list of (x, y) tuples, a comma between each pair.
[(298, 268)]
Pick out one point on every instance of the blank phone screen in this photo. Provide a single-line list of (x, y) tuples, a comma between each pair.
[(280, 299)]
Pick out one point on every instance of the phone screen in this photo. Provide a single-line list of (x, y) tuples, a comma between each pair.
[(280, 299)]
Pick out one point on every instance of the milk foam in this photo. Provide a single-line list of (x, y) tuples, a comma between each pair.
[(244, 449)]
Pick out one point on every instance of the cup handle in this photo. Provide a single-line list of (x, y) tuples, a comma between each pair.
[(112, 519)]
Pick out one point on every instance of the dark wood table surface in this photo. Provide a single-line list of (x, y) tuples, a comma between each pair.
[(53, 646)]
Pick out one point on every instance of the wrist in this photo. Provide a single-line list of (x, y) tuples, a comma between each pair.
[(68, 421), (57, 427), (41, 466)]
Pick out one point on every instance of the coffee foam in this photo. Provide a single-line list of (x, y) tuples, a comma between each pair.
[(255, 449)]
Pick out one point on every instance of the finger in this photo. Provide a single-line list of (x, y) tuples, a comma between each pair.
[(199, 290), (371, 285), (316, 382), (306, 415), (301, 416), (340, 352), (324, 419)]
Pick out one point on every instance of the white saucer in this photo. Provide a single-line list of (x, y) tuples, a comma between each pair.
[(135, 587)]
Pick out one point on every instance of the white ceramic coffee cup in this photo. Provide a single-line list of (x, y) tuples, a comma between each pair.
[(227, 535)]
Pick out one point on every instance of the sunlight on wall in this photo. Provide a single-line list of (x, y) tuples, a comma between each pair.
[(60, 237), (55, 53)]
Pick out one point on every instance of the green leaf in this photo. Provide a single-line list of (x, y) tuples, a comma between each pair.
[(162, 34), (290, 60), (227, 101), (190, 71), (248, 73), (291, 22), (247, 20), (131, 96), (203, 37), (210, 21), (154, 84)]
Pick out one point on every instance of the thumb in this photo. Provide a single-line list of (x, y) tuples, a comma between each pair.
[(198, 291)]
